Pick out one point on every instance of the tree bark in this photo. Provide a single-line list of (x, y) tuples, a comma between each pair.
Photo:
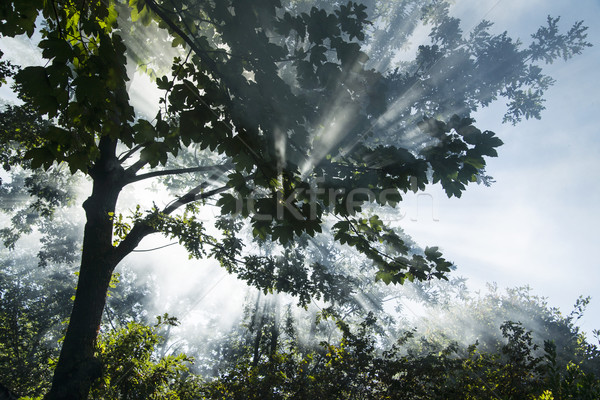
[(77, 367)]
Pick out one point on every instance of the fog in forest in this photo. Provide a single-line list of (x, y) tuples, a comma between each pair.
[(515, 251)]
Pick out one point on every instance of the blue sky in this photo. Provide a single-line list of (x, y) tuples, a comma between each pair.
[(538, 224)]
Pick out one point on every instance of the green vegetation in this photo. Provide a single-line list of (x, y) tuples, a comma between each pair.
[(510, 361)]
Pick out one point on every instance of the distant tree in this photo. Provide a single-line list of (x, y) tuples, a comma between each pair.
[(35, 303), (282, 109), (32, 312), (356, 367), (477, 318)]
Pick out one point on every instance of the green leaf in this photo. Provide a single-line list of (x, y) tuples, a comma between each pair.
[(144, 132), (386, 277), (34, 82), (229, 204), (57, 49), (284, 234)]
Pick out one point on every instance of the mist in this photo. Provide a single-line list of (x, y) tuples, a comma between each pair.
[(517, 245)]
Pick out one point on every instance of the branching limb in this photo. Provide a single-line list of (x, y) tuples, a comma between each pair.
[(143, 228), (151, 4), (135, 167), (155, 174), (193, 195), (129, 153)]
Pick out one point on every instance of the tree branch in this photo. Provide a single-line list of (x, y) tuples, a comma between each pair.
[(193, 195), (154, 174), (135, 167), (141, 229), (151, 4), (126, 155)]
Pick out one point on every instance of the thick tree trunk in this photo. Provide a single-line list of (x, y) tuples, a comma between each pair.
[(77, 367)]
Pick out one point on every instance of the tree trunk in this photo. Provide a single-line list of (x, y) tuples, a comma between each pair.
[(274, 305), (77, 367), (257, 339)]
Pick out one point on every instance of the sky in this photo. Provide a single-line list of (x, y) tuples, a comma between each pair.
[(536, 225)]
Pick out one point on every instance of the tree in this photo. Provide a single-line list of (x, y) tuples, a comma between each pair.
[(35, 300), (132, 369), (485, 313), (32, 319), (356, 367), (285, 114)]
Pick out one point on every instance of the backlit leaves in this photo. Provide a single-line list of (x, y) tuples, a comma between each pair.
[(287, 97)]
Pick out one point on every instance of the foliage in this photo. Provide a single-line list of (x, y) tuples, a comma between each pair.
[(239, 88), (353, 361), (356, 369), (39, 202), (132, 370), (35, 304), (33, 309), (475, 317)]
